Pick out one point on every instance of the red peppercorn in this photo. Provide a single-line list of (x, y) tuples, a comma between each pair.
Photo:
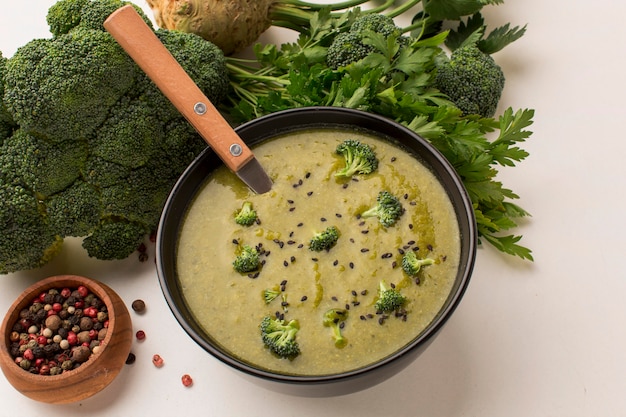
[(42, 340), (157, 361), (187, 381), (44, 370), (57, 307), (79, 304), (66, 292), (28, 354), (82, 291), (90, 312), (51, 313), (42, 296), (72, 339), (141, 335), (39, 362), (93, 334)]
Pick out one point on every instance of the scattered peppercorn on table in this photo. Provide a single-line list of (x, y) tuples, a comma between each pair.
[(530, 339)]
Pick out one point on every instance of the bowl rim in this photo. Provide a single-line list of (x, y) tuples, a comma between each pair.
[(269, 126)]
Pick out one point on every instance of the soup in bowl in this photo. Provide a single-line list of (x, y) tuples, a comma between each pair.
[(338, 277)]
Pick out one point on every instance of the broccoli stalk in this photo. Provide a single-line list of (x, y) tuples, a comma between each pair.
[(280, 336), (388, 209), (324, 240), (359, 158), (334, 318), (389, 298), (246, 216), (411, 264), (247, 260)]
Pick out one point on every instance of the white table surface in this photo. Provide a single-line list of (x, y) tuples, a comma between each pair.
[(529, 339)]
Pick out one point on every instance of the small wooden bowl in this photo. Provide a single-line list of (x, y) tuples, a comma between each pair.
[(90, 377)]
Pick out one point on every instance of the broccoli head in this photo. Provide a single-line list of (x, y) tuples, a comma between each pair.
[(280, 336), (27, 240), (325, 239), (389, 298), (247, 259), (388, 209), (359, 158), (88, 139), (246, 216), (352, 46), (411, 264), (472, 80), (335, 319)]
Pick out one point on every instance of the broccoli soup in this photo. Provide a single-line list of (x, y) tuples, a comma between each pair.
[(341, 270)]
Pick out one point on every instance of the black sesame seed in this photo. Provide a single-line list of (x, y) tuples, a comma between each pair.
[(309, 194), (323, 219), (304, 298), (351, 265), (364, 250)]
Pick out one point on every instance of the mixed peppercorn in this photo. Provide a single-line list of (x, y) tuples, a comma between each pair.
[(59, 330)]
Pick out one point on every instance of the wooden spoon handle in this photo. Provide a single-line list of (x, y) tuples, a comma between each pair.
[(146, 49)]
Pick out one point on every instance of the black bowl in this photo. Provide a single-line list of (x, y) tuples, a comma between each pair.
[(279, 123)]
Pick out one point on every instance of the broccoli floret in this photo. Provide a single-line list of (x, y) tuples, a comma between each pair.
[(41, 166), (64, 15), (129, 136), (389, 298), (472, 80), (247, 260), (7, 125), (114, 239), (101, 173), (359, 158), (203, 61), (324, 240), (74, 211), (411, 264), (63, 87), (270, 294), (388, 209), (351, 46), (27, 242), (95, 12), (280, 336), (246, 216), (335, 318)]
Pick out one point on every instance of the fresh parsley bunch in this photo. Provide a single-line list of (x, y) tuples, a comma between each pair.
[(396, 79)]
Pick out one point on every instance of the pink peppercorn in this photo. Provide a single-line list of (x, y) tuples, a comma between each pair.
[(157, 361), (42, 340), (187, 381), (28, 354), (141, 335), (66, 292), (72, 339), (57, 307), (82, 291)]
